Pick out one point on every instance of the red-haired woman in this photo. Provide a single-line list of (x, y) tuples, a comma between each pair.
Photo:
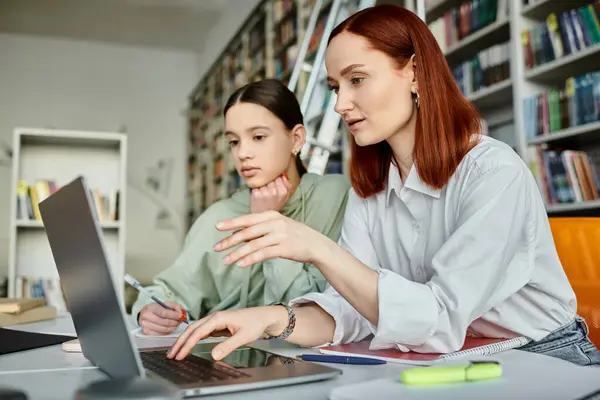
[(445, 232)]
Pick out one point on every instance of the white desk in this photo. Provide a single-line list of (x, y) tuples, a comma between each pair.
[(50, 373)]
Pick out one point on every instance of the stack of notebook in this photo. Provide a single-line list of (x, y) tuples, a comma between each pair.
[(23, 310)]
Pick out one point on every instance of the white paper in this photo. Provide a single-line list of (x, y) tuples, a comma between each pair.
[(138, 332)]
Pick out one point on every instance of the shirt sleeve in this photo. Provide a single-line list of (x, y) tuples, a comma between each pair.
[(350, 325), (474, 270)]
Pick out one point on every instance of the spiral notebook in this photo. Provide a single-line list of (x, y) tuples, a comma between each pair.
[(473, 346)]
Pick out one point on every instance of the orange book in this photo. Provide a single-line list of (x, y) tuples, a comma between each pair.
[(473, 346)]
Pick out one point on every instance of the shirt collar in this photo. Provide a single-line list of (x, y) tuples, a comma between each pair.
[(413, 182)]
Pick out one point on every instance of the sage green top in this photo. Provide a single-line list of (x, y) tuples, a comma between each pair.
[(202, 284)]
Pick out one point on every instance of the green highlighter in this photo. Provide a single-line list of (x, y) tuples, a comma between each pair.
[(475, 371)]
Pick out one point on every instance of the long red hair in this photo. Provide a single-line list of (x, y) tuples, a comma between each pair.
[(445, 119)]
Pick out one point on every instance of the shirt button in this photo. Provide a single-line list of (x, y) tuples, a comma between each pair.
[(405, 196)]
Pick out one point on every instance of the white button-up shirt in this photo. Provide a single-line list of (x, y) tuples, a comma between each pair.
[(475, 258)]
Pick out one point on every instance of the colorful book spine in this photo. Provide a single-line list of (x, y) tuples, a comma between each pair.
[(576, 104), (487, 68), (566, 176), (561, 35), (466, 19)]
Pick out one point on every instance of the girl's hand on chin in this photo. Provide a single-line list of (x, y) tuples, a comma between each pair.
[(272, 196)]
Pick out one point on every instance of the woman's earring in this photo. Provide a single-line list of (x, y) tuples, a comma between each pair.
[(417, 100)]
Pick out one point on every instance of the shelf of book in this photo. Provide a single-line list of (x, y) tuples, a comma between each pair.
[(491, 96), (565, 135), (560, 100), (572, 64), (43, 161), (540, 9), (535, 62), (475, 37), (495, 32), (485, 43)]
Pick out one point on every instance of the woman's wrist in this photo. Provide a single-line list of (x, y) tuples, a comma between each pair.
[(279, 320), (321, 254)]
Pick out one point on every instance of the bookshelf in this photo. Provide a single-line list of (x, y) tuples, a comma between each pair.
[(43, 160), (532, 67), (266, 46)]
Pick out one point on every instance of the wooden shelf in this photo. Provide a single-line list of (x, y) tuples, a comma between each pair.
[(43, 161), (540, 9), (496, 32), (564, 67), (568, 134), (570, 207), (34, 224), (492, 96)]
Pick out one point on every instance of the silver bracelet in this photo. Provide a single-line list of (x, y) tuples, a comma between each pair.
[(290, 325)]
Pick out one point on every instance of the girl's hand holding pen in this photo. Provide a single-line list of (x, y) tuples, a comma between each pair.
[(157, 320), (269, 235)]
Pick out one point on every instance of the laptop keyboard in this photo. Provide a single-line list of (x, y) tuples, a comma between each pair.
[(189, 370)]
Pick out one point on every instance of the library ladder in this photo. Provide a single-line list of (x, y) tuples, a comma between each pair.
[(319, 146)]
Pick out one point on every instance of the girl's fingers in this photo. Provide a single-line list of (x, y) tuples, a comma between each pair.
[(158, 320), (154, 328), (272, 188), (281, 187)]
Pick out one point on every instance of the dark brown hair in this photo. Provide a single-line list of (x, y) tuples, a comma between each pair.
[(275, 97)]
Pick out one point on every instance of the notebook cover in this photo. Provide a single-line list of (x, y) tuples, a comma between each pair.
[(361, 349), (12, 341)]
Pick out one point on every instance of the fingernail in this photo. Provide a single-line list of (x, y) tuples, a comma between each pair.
[(241, 263), (226, 260), (216, 353), (219, 225), (217, 246)]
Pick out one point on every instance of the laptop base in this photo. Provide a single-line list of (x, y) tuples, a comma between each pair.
[(246, 368), (128, 388)]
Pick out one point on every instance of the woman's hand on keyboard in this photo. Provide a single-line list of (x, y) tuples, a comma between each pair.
[(243, 326)]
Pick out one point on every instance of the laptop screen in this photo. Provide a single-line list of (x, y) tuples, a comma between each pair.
[(78, 250)]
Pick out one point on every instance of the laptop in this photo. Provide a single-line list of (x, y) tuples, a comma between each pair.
[(77, 247)]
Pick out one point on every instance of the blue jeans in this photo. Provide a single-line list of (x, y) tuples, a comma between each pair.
[(570, 343)]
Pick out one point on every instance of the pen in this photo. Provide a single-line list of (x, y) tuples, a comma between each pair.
[(475, 371), (133, 282), (341, 359)]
